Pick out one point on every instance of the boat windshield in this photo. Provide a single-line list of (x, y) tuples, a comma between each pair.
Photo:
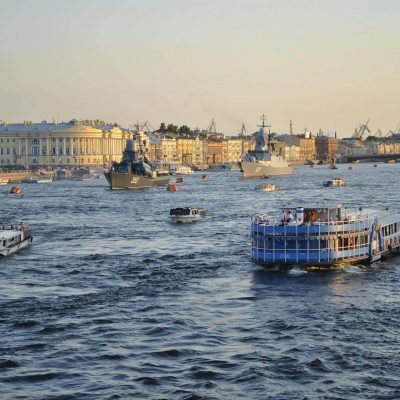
[(179, 211)]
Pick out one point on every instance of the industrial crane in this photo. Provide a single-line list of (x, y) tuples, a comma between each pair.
[(360, 131), (395, 132)]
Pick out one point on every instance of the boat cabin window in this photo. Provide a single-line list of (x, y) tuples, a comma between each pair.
[(179, 211), (310, 215)]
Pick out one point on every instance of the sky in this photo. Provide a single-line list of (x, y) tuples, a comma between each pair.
[(323, 64)]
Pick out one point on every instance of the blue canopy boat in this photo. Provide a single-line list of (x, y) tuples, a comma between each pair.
[(324, 235)]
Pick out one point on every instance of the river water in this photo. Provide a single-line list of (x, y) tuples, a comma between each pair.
[(112, 301)]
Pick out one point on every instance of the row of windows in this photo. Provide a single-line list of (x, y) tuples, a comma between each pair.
[(35, 151), (68, 161), (390, 229), (8, 151), (342, 243), (36, 140)]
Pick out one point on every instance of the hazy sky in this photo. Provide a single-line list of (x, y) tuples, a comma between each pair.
[(324, 64)]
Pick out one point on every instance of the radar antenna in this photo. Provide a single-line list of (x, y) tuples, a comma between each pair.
[(263, 119)]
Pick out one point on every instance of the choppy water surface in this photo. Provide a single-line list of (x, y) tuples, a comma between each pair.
[(112, 301)]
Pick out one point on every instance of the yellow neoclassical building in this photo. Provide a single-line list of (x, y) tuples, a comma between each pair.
[(71, 144)]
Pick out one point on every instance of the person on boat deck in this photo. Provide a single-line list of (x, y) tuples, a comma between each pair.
[(283, 217), (290, 217)]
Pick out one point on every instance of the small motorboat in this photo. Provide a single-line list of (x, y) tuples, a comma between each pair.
[(375, 165), (335, 182), (350, 167), (172, 188), (266, 187), (186, 214), (15, 190), (204, 177), (13, 239), (34, 179), (180, 170), (179, 180)]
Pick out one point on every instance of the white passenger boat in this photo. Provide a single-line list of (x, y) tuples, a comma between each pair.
[(186, 214), (335, 182), (180, 170), (14, 239), (322, 235), (266, 187)]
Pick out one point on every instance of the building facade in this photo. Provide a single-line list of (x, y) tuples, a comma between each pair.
[(53, 145), (326, 147), (231, 150), (184, 150), (215, 152)]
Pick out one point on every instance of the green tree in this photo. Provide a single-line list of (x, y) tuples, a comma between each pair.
[(172, 128), (184, 130)]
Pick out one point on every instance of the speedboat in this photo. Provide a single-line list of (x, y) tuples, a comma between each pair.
[(14, 239), (267, 187), (334, 182), (186, 214)]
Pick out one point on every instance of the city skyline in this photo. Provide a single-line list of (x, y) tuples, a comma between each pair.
[(330, 66)]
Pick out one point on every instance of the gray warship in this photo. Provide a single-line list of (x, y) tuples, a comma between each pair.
[(134, 171), (263, 161)]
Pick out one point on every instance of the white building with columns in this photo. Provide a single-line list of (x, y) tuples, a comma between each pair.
[(71, 144)]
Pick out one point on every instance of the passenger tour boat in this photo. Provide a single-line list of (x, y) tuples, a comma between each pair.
[(324, 235), (334, 182), (14, 239), (186, 214)]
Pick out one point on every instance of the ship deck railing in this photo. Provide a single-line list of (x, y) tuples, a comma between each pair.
[(320, 239)]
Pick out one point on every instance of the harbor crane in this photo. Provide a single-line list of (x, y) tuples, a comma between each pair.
[(360, 131), (212, 128), (242, 130), (395, 132)]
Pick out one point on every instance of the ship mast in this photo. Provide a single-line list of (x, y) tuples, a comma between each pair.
[(264, 125)]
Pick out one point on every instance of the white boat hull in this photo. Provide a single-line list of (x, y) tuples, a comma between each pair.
[(260, 170), (17, 247), (185, 219)]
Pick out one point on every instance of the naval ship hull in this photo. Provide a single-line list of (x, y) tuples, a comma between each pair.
[(118, 180), (258, 170)]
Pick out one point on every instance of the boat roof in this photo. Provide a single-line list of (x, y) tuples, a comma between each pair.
[(312, 206), (8, 234)]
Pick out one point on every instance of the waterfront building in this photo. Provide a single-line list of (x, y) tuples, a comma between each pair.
[(162, 149), (326, 147), (71, 144), (303, 144), (389, 147), (184, 150), (290, 152), (247, 145), (231, 150), (215, 152), (352, 147), (200, 150)]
